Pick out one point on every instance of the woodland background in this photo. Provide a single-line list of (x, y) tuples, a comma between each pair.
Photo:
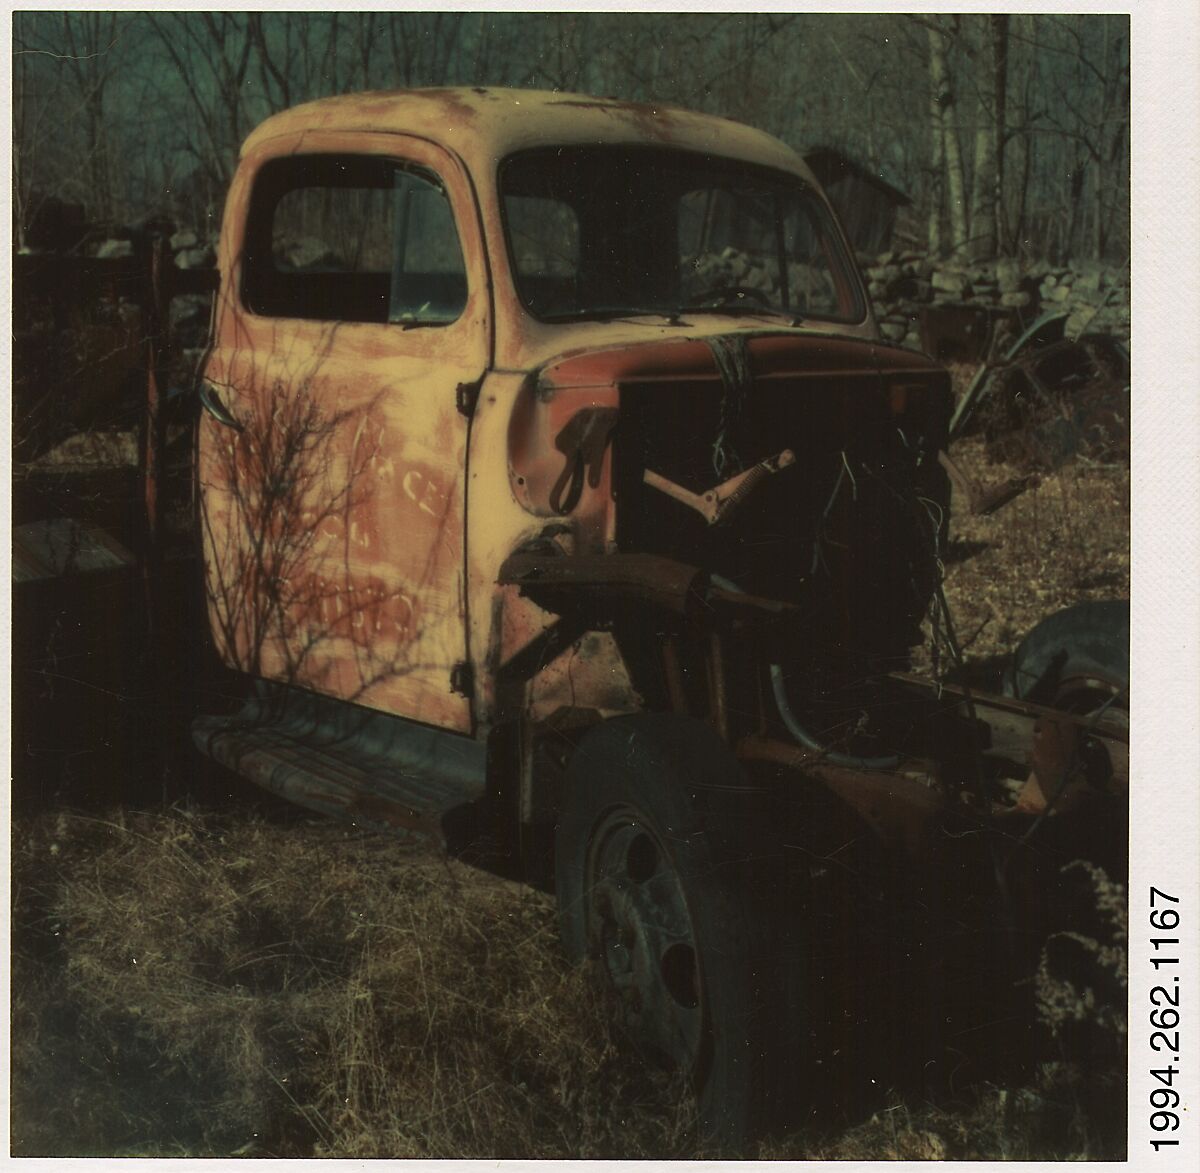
[(1010, 132)]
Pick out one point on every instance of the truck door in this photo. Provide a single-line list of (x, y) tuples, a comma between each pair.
[(332, 454)]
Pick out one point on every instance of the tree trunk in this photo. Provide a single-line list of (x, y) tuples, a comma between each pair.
[(937, 173), (983, 194), (999, 123), (945, 127)]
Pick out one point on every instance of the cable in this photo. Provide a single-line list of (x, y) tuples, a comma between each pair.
[(806, 739)]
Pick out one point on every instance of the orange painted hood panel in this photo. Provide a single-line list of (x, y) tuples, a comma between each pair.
[(787, 355)]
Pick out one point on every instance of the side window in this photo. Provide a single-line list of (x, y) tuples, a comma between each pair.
[(355, 239)]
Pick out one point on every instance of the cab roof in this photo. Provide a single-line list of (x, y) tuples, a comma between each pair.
[(484, 125)]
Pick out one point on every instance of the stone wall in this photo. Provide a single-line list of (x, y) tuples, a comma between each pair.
[(1095, 297)]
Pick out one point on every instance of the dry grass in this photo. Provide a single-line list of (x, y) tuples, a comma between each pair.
[(220, 985), (1056, 1117), (1062, 542), (1082, 984), (195, 984)]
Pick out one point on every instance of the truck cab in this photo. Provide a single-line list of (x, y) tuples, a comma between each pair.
[(552, 466)]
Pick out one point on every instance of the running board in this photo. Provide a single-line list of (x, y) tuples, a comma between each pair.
[(370, 768)]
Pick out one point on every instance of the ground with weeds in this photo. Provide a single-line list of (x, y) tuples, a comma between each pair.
[(202, 981), (197, 984)]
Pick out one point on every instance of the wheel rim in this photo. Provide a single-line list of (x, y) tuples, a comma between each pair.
[(640, 930), (1091, 696)]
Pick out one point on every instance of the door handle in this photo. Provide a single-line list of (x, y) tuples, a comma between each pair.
[(210, 400)]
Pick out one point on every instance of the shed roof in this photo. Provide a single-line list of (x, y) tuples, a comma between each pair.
[(829, 165), (484, 125)]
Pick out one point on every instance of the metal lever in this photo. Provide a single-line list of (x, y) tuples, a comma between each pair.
[(719, 503), (211, 402)]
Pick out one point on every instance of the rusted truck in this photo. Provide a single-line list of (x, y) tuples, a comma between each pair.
[(558, 492)]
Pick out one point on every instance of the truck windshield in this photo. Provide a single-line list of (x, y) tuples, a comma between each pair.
[(610, 231)]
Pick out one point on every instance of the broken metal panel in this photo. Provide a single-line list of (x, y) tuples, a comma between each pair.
[(592, 673), (900, 810), (1015, 726)]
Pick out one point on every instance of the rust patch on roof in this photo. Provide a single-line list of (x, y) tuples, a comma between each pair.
[(485, 124)]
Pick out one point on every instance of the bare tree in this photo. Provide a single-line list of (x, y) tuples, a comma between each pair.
[(1090, 110), (77, 52), (210, 53), (999, 46), (1010, 131), (945, 129), (276, 509), (89, 37)]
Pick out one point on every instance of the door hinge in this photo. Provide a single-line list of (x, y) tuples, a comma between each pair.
[(462, 679), (466, 395)]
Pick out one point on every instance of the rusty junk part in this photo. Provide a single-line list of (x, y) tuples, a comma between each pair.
[(961, 333), (1064, 400), (1015, 726), (898, 809), (1047, 397), (1047, 329), (555, 479), (606, 579), (718, 504), (981, 499)]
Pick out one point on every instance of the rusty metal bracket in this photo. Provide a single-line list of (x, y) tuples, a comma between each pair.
[(599, 582), (898, 808), (718, 504)]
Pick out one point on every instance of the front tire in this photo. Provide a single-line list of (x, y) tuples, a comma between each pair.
[(668, 878)]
